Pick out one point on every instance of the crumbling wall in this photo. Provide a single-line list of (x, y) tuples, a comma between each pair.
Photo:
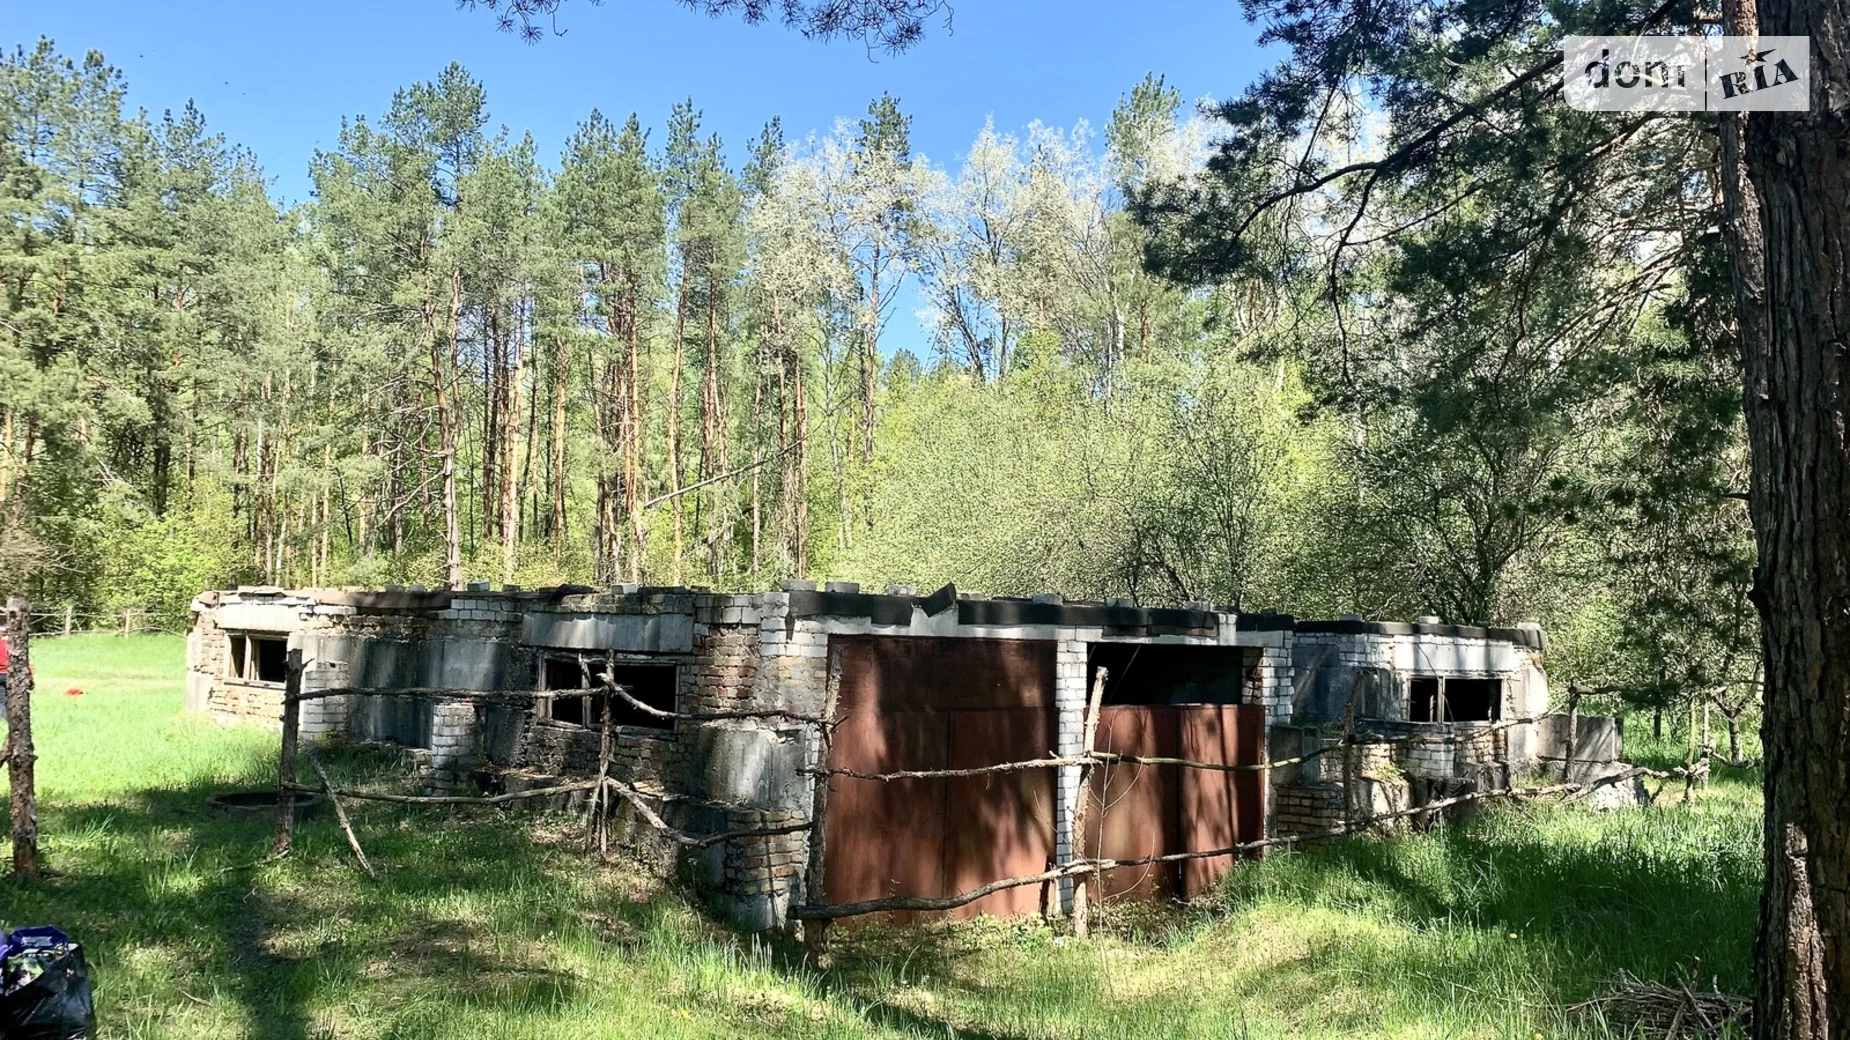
[(771, 651)]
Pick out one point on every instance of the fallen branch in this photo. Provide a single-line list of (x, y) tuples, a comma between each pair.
[(637, 801), (453, 799), (340, 815), (628, 793), (1656, 1009)]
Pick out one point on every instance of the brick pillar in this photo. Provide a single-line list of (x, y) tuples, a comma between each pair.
[(1271, 687), (1069, 699), (324, 717), (455, 744)]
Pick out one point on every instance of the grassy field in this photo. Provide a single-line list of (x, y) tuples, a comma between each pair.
[(488, 924)]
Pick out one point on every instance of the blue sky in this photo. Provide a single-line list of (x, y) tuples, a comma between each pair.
[(277, 75)]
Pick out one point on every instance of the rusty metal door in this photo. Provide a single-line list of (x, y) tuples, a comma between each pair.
[(1134, 811), (1156, 810), (910, 703), (1220, 809)]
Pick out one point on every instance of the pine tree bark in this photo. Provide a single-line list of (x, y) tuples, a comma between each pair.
[(796, 483), (446, 428), (561, 374), (1787, 193), (709, 433), (493, 380), (512, 435), (635, 429), (674, 422)]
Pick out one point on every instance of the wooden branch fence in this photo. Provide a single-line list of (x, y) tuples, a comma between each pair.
[(71, 621), (816, 915)]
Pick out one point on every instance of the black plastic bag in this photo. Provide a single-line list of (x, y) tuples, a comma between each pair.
[(45, 988)]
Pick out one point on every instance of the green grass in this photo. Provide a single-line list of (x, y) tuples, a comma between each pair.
[(493, 924)]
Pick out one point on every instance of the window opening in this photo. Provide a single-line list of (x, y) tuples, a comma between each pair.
[(1423, 699), (1472, 700), (652, 684), (260, 659)]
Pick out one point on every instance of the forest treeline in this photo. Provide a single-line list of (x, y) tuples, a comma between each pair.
[(467, 357)]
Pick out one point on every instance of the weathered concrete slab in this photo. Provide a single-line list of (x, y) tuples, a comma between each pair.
[(1599, 738), (198, 692), (756, 768), (631, 633), (259, 617)]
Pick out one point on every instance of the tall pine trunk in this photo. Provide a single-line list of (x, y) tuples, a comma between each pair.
[(561, 374), (608, 413), (674, 422), (446, 428), (757, 435), (796, 479), (634, 431), (707, 502), (1789, 231), (512, 437)]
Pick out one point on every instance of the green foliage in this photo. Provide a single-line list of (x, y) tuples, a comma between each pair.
[(1520, 309), (636, 363)]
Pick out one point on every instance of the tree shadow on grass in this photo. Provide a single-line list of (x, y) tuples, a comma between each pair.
[(186, 917), (1658, 893), (1480, 924)]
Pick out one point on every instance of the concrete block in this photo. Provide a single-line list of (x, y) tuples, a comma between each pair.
[(260, 617), (756, 768), (630, 633), (1598, 738)]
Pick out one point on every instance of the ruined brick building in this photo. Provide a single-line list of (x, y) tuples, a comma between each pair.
[(918, 682)]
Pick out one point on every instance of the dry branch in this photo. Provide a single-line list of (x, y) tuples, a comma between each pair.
[(1656, 1009), (524, 696), (1056, 762), (1084, 866), (629, 794), (452, 799), (340, 815)]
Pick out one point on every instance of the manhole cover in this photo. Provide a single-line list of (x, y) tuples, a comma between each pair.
[(258, 803)]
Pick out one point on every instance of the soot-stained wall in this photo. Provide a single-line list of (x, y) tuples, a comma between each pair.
[(763, 651)]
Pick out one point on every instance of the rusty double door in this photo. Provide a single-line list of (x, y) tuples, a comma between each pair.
[(927, 703)]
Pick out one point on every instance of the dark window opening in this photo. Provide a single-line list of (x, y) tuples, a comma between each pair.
[(263, 659), (1430, 699), (1423, 699), (1472, 700), (1146, 673), (652, 684)]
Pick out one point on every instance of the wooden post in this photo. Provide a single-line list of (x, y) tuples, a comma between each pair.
[(1352, 759), (1573, 732), (1082, 915), (816, 931), (285, 771), (600, 797), (127, 614), (19, 752), (1708, 742), (70, 615)]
